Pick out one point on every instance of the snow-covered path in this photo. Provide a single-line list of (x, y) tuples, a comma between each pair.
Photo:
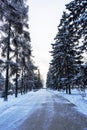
[(41, 110)]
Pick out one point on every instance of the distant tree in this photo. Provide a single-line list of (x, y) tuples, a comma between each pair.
[(51, 80), (38, 82)]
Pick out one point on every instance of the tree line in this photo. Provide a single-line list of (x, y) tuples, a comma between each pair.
[(16, 61), (68, 67)]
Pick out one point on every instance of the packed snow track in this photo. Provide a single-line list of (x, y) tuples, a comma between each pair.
[(41, 110)]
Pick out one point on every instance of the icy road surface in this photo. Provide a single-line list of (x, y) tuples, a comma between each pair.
[(41, 110)]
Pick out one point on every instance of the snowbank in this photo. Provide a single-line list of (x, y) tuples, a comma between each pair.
[(77, 99)]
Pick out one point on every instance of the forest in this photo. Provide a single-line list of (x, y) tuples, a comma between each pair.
[(18, 73), (26, 102), (68, 67)]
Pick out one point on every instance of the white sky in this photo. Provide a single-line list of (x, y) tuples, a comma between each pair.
[(44, 17)]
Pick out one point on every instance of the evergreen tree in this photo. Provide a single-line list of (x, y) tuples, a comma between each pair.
[(50, 82), (66, 54), (78, 13), (14, 16), (38, 81)]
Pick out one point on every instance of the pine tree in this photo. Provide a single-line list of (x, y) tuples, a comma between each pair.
[(77, 11), (38, 81), (66, 59), (50, 82), (12, 13)]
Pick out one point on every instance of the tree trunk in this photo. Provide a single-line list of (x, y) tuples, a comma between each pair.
[(66, 89), (69, 89), (7, 68), (22, 82), (16, 89)]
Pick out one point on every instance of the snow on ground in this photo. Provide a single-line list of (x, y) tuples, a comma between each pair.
[(16, 110), (77, 99)]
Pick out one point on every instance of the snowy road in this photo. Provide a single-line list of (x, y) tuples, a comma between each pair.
[(41, 110)]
